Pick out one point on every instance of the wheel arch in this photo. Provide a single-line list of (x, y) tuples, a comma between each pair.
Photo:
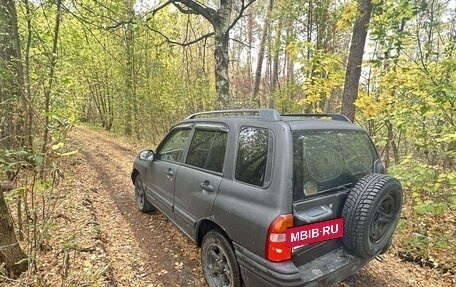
[(203, 227), (134, 174)]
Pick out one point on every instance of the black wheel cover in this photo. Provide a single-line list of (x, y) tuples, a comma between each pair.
[(218, 260), (371, 213), (140, 196)]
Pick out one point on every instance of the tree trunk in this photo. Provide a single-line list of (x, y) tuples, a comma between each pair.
[(259, 67), (250, 42), (29, 118), (275, 65), (289, 65), (222, 82), (11, 75), (48, 88), (221, 24), (355, 58), (130, 96), (10, 251)]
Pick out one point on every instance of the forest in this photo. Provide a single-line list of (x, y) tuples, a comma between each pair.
[(132, 69)]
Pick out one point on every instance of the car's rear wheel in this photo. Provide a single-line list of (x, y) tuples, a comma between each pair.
[(140, 196), (371, 213), (219, 263)]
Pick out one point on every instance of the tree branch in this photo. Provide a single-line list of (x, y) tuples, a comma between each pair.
[(118, 24), (241, 12), (204, 11), (199, 39), (242, 43), (85, 23), (154, 11), (184, 11), (185, 44)]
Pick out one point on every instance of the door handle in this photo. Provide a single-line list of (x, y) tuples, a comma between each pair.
[(169, 173), (206, 186)]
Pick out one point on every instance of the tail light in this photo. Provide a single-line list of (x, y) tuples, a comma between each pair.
[(276, 250)]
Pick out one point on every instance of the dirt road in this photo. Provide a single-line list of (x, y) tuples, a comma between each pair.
[(147, 250)]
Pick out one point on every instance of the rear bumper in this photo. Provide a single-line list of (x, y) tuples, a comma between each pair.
[(323, 271)]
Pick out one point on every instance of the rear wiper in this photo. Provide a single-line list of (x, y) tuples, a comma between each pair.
[(342, 186)]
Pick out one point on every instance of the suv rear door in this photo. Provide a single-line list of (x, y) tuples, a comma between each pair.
[(326, 164), (200, 176)]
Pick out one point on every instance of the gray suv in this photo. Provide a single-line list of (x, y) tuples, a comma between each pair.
[(253, 187)]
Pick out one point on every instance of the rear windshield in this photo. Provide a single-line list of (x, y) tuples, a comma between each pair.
[(325, 161)]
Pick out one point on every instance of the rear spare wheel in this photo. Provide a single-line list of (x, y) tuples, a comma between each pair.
[(371, 213)]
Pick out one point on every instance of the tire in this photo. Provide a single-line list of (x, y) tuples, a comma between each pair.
[(387, 246), (220, 266), (140, 196), (371, 213)]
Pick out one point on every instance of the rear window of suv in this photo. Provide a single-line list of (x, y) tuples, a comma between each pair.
[(253, 154), (328, 160)]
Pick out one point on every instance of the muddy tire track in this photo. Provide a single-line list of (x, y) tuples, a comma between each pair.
[(170, 255)]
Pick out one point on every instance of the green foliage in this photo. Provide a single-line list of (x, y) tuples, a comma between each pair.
[(317, 47), (453, 202), (12, 160), (348, 15), (388, 28), (430, 188), (287, 98), (408, 106)]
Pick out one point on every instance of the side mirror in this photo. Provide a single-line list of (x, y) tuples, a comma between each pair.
[(147, 155)]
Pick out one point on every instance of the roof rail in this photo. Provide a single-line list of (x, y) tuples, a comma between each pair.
[(335, 117), (270, 115)]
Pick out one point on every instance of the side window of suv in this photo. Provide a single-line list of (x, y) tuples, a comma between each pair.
[(172, 149), (207, 150), (252, 157)]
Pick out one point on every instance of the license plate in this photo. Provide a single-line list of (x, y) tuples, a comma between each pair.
[(315, 232)]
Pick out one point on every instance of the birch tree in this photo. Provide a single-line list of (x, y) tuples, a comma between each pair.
[(222, 18)]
